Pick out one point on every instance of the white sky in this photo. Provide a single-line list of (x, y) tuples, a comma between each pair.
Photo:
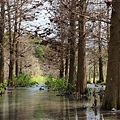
[(41, 20)]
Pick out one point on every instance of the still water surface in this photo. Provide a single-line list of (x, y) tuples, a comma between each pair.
[(32, 104)]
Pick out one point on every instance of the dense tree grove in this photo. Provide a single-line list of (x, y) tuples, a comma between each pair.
[(68, 18), (86, 29)]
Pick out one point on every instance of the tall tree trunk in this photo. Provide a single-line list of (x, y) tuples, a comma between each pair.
[(108, 27), (2, 12), (81, 72), (20, 70), (17, 42), (94, 71), (12, 39), (16, 62), (72, 40), (101, 78), (11, 50), (112, 92), (61, 65), (62, 54), (66, 64)]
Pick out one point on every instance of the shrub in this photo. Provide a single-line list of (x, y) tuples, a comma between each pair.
[(56, 83), (38, 53), (2, 88), (23, 79)]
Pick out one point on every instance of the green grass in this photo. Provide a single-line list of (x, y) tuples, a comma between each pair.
[(39, 79)]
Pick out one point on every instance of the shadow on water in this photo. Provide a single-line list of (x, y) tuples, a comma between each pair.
[(34, 104)]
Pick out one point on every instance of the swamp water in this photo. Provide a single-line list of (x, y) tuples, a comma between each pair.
[(30, 103)]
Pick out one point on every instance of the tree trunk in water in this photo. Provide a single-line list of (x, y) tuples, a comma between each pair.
[(2, 41), (112, 92), (72, 42), (81, 72)]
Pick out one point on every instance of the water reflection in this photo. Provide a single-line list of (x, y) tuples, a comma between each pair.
[(33, 104)]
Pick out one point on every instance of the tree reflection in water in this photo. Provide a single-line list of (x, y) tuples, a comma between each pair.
[(33, 104)]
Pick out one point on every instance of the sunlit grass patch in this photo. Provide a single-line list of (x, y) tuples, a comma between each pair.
[(38, 78)]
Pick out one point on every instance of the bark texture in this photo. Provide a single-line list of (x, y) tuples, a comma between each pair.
[(81, 72), (72, 41), (112, 92), (2, 42)]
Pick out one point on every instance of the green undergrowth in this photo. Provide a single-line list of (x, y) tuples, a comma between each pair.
[(28, 80), (2, 88), (23, 80), (56, 83), (38, 78)]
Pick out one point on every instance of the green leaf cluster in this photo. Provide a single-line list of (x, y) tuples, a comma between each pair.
[(23, 79), (39, 49), (38, 53), (2, 88), (56, 83)]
